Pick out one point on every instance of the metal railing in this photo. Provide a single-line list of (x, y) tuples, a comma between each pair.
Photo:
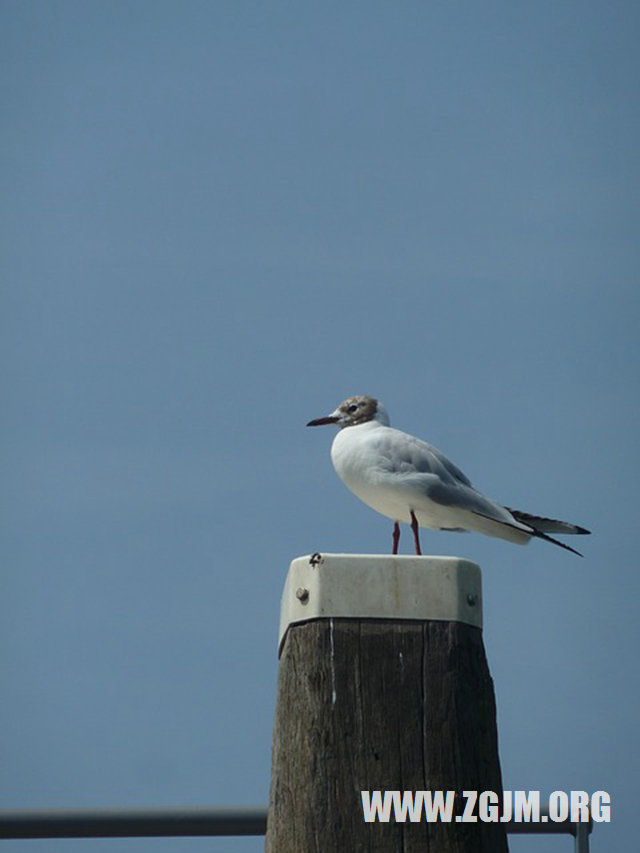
[(132, 822), (200, 821)]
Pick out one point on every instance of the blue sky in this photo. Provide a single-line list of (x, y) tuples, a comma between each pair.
[(220, 219)]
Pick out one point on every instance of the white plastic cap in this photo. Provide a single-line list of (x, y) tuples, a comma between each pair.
[(371, 586)]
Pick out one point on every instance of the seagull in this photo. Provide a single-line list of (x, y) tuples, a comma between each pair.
[(411, 481)]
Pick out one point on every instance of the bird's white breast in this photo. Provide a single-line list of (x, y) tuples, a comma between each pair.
[(361, 461)]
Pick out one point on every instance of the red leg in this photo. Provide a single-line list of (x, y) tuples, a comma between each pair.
[(396, 537), (416, 533)]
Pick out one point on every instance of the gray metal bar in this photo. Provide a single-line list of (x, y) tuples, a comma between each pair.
[(132, 822), (196, 821), (582, 837)]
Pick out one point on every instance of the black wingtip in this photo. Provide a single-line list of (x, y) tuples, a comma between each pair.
[(539, 535)]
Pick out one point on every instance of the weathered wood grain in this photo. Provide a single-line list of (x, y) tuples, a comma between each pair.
[(380, 705)]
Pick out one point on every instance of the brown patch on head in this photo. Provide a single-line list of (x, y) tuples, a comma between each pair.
[(358, 410)]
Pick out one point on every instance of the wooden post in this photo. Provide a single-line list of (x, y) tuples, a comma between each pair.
[(383, 686)]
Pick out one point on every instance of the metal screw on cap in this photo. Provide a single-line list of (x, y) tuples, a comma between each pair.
[(302, 594)]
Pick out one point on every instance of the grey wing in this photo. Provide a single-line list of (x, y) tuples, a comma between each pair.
[(408, 455), (452, 470), (439, 479)]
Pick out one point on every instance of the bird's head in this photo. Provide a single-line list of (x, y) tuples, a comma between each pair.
[(355, 410)]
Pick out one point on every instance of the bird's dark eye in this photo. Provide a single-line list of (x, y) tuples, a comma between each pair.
[(353, 407)]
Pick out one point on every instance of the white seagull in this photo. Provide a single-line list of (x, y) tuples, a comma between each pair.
[(411, 481)]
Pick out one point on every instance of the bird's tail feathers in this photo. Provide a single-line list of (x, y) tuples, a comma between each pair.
[(525, 526), (546, 525), (541, 527)]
